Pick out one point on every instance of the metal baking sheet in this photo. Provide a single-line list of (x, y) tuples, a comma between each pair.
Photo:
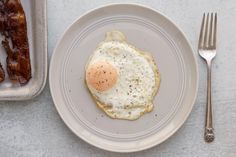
[(36, 17)]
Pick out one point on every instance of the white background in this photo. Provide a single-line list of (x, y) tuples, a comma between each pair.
[(34, 128)]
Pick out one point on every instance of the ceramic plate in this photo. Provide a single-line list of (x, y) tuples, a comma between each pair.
[(148, 30)]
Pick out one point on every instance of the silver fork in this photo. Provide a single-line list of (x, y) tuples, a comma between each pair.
[(207, 50)]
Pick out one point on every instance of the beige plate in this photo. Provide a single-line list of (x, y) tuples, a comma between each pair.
[(148, 30)]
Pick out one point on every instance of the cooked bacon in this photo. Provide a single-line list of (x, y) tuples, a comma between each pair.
[(2, 74), (14, 28)]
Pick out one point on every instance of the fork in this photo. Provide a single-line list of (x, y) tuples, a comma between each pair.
[(207, 50)]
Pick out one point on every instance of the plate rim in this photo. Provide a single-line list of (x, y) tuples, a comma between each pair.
[(192, 53)]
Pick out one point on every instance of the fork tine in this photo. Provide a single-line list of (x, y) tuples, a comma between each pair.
[(206, 32), (200, 42), (215, 30), (210, 39)]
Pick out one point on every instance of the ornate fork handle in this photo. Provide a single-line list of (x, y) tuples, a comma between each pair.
[(209, 134)]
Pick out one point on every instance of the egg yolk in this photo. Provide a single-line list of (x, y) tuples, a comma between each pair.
[(101, 76)]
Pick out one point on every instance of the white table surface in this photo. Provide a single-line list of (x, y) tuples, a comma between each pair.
[(34, 128)]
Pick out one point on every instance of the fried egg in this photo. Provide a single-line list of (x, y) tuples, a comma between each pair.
[(122, 79)]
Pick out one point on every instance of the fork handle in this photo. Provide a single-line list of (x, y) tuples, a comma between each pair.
[(209, 134)]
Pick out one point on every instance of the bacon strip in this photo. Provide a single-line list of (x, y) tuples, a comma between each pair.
[(2, 74), (14, 28)]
